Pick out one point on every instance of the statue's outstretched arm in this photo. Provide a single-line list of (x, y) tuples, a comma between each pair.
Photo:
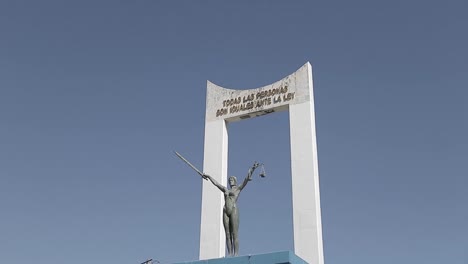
[(249, 175), (215, 183)]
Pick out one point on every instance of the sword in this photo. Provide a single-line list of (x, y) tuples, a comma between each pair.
[(190, 164)]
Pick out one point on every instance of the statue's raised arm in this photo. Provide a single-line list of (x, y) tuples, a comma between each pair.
[(249, 175), (215, 183)]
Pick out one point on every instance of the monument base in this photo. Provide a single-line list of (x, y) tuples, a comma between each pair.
[(283, 257)]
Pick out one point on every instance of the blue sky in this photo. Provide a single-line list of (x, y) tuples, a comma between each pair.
[(95, 96)]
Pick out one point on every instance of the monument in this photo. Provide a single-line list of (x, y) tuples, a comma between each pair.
[(293, 93)]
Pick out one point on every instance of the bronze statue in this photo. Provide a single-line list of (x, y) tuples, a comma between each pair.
[(230, 210)]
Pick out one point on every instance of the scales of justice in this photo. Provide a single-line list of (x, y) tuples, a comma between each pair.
[(219, 215)]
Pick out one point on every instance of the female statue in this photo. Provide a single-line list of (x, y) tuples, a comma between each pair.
[(230, 211)]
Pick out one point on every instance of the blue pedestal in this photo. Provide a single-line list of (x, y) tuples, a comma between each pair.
[(284, 257)]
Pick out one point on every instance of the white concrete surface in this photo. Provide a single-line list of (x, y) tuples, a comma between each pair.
[(212, 237)]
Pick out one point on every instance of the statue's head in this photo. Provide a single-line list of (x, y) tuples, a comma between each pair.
[(232, 181)]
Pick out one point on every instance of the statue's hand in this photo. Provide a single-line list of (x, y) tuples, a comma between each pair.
[(255, 165), (206, 176)]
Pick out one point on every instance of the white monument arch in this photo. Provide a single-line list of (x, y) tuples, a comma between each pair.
[(294, 93)]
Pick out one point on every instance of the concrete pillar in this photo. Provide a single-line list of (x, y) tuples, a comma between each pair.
[(212, 237)]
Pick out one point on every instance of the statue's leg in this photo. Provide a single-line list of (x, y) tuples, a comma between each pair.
[(234, 225), (228, 233)]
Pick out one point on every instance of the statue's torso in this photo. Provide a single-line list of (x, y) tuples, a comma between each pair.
[(230, 198)]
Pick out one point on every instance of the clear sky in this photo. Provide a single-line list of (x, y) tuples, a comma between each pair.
[(95, 96)]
